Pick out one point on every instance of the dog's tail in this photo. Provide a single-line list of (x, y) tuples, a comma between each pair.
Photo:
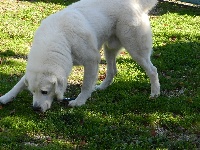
[(147, 5)]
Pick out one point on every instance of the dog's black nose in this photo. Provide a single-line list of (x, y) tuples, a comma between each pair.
[(36, 108)]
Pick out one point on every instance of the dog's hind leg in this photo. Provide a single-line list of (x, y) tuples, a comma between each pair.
[(13, 92), (111, 49), (138, 42), (151, 71)]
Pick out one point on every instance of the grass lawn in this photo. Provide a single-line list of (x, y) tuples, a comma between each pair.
[(120, 117)]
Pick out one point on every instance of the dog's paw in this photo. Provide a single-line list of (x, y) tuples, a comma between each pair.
[(5, 99), (155, 91), (154, 96), (74, 103)]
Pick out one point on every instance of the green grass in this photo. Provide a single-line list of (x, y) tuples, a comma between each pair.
[(120, 117)]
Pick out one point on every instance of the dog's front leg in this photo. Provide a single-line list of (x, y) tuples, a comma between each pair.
[(90, 76), (13, 92)]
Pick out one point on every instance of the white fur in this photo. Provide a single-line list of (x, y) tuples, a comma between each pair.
[(74, 36)]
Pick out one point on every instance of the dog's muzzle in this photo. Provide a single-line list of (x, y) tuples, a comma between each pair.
[(37, 109)]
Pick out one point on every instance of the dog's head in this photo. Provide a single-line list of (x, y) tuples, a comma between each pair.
[(44, 88)]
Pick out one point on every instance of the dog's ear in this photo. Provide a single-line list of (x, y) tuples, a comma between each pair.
[(59, 84)]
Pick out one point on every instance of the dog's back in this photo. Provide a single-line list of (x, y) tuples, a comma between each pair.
[(103, 15)]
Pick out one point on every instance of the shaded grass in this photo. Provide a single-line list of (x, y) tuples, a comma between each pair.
[(120, 117)]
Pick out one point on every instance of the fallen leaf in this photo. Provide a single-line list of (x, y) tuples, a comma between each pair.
[(123, 53), (12, 112), (81, 121), (49, 139), (190, 100), (102, 77), (82, 143), (181, 83), (1, 129), (157, 55), (153, 132), (173, 38)]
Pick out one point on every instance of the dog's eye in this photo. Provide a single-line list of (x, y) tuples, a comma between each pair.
[(44, 92)]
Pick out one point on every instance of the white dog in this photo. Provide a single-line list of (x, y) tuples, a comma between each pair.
[(74, 36)]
